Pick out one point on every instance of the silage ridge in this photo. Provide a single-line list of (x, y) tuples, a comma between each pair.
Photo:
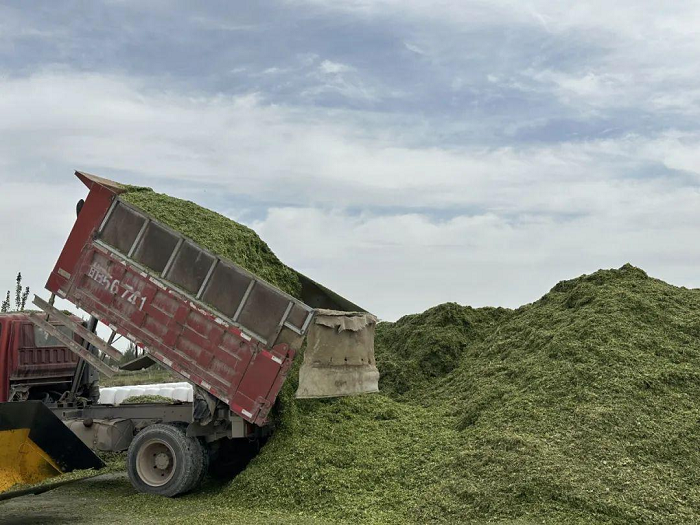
[(592, 388), (419, 350)]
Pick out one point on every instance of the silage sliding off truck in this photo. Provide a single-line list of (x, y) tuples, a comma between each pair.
[(232, 335)]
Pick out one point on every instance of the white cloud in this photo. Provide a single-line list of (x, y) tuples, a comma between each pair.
[(339, 79), (332, 68), (596, 89), (414, 48), (36, 218), (472, 224), (399, 264), (633, 18), (629, 53)]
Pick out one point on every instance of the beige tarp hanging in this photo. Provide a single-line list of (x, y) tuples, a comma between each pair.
[(339, 356)]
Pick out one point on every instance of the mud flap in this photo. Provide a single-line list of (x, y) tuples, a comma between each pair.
[(35, 445), (339, 356)]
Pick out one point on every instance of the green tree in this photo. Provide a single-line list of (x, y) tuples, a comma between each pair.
[(6, 303), (20, 297), (132, 352), (18, 291), (25, 296)]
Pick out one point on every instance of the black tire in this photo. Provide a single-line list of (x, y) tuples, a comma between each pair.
[(203, 465), (162, 460), (232, 457)]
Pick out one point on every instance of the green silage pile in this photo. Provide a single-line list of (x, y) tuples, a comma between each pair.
[(217, 233), (583, 407)]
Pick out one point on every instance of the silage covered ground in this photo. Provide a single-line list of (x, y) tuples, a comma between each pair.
[(583, 407)]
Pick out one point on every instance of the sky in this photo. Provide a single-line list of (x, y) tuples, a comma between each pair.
[(403, 153)]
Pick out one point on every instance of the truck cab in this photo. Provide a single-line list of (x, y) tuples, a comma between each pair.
[(33, 363)]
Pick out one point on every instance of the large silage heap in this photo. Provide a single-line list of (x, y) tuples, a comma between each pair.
[(581, 407)]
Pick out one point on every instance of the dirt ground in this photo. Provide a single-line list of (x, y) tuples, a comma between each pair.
[(59, 506), (110, 499)]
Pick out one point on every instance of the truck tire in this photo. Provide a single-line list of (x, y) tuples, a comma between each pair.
[(162, 460), (232, 456), (203, 465)]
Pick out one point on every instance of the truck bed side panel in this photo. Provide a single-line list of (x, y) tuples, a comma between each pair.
[(186, 338)]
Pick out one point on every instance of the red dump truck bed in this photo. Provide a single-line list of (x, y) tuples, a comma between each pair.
[(201, 316)]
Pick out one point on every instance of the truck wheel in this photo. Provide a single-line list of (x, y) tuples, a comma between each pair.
[(232, 457), (162, 460), (203, 465)]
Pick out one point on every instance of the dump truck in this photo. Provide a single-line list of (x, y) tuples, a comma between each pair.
[(210, 322)]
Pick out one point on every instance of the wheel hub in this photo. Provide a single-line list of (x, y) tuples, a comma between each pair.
[(162, 461), (156, 462)]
